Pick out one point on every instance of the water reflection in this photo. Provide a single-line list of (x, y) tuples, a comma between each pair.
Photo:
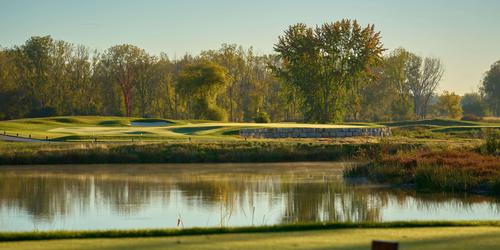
[(138, 196)]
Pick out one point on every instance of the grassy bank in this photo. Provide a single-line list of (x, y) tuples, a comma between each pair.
[(435, 170), (50, 235), (240, 151), (429, 238)]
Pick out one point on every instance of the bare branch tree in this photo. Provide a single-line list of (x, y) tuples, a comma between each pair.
[(424, 76)]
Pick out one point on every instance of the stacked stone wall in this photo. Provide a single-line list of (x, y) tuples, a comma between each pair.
[(314, 132)]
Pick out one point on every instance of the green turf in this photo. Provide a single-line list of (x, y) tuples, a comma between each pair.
[(108, 128), (435, 238), (120, 128), (46, 235)]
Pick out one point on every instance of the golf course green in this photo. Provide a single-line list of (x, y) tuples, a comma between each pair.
[(81, 128), (108, 128)]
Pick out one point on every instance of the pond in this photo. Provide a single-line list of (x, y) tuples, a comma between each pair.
[(75, 197)]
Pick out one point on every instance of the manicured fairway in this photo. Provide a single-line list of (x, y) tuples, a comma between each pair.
[(107, 128), (465, 238)]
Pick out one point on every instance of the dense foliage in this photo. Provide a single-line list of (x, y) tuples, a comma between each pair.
[(201, 83), (473, 104), (327, 64), (329, 73), (490, 88)]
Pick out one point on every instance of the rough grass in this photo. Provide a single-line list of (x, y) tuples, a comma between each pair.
[(226, 151), (435, 170), (409, 238)]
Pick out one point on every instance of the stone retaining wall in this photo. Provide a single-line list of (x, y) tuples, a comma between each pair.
[(314, 132)]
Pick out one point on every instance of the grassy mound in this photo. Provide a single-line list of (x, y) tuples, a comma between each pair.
[(119, 128)]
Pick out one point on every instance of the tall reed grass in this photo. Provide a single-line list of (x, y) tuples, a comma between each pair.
[(251, 151), (435, 170)]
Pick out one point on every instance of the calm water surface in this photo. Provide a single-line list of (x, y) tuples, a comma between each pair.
[(152, 196)]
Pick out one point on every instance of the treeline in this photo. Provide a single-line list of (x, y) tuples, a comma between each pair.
[(47, 77), (329, 73)]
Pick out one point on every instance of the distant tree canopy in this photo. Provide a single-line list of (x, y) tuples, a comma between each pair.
[(46, 77), (324, 64), (490, 88), (125, 66), (387, 96), (199, 85), (449, 105), (403, 88), (424, 75), (329, 73), (473, 104)]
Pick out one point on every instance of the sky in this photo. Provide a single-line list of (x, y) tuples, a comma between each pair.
[(465, 35)]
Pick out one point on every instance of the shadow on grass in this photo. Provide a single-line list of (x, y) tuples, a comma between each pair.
[(111, 123), (193, 130), (139, 133)]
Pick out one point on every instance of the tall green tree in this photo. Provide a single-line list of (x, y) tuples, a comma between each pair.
[(164, 90), (232, 58), (122, 64), (387, 97), (490, 88), (84, 99), (473, 104), (54, 75), (199, 84), (282, 101), (325, 63), (449, 105), (15, 98), (33, 63)]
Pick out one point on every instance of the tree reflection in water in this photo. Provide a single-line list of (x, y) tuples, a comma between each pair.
[(293, 192)]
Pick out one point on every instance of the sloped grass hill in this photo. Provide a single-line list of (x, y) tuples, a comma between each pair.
[(88, 128)]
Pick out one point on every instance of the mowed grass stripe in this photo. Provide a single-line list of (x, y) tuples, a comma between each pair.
[(428, 238), (46, 235)]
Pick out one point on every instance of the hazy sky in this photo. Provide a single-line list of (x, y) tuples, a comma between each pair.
[(464, 34)]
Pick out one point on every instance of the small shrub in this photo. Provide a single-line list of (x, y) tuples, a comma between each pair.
[(262, 117)]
